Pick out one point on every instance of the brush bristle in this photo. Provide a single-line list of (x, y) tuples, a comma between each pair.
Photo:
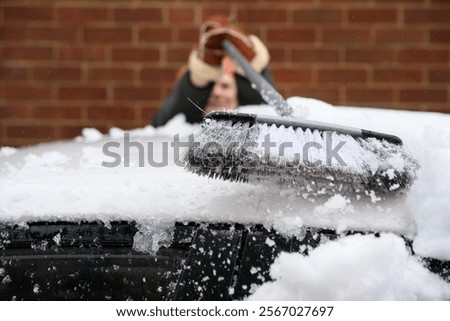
[(313, 161)]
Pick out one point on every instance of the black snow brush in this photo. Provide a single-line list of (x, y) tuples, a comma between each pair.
[(315, 157)]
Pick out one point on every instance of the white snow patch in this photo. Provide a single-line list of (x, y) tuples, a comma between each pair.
[(89, 135), (373, 197), (7, 151), (429, 199), (336, 202), (353, 268), (270, 242), (336, 206), (57, 239), (36, 289)]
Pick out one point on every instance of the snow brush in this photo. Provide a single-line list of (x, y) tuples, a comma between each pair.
[(314, 157)]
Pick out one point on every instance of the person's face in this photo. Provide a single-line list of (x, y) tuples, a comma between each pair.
[(223, 95)]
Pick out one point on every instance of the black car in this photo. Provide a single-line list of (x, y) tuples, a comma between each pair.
[(91, 261), (71, 229)]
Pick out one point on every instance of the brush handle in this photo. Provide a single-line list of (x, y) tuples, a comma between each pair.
[(266, 90), (273, 98)]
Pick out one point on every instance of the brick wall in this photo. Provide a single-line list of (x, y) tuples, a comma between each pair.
[(70, 64)]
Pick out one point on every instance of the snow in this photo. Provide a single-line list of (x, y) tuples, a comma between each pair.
[(336, 202), (7, 151), (349, 269), (90, 135), (65, 180)]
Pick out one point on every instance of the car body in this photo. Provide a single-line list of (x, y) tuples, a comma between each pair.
[(72, 228)]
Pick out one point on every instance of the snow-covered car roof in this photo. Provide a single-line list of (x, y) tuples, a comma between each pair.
[(76, 180)]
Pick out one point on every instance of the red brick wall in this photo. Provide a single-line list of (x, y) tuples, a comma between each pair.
[(70, 64)]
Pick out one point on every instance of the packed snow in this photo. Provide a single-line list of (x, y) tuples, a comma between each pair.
[(349, 269), (93, 177)]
